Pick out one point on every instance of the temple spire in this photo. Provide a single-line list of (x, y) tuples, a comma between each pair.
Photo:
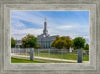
[(45, 31)]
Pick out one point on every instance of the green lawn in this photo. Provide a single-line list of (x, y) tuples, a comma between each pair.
[(20, 60), (70, 56)]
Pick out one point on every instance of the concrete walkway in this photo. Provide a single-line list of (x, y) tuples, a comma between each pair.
[(59, 59), (46, 58)]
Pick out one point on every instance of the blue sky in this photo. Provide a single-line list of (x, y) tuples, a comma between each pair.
[(63, 23)]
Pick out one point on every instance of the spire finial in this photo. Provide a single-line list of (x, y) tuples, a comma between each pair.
[(45, 18)]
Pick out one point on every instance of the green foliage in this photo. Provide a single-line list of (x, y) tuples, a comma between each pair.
[(20, 60), (78, 42), (29, 41), (85, 52), (86, 47), (13, 42), (62, 42), (37, 46)]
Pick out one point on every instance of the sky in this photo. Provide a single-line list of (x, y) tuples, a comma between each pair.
[(62, 23)]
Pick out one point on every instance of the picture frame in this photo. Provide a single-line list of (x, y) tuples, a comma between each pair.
[(54, 68)]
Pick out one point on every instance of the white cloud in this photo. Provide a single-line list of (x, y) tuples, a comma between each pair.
[(70, 30), (55, 26), (16, 23), (28, 17), (64, 27), (18, 34)]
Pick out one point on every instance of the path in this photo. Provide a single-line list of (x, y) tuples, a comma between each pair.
[(45, 58)]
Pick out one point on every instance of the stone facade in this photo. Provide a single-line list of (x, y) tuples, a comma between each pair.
[(45, 40)]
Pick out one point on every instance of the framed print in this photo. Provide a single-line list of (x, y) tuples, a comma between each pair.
[(53, 45), (56, 37)]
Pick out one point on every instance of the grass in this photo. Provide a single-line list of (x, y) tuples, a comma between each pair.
[(20, 60), (69, 56)]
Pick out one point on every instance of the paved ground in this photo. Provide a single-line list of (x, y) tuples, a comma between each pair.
[(14, 55)]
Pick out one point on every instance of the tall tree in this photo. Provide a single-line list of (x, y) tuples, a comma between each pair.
[(62, 42), (29, 41), (86, 47), (78, 42), (13, 42)]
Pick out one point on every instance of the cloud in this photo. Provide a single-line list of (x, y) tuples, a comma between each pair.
[(38, 20), (70, 30), (56, 26), (18, 34), (65, 27), (18, 28), (17, 24)]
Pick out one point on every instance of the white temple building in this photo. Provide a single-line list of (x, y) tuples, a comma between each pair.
[(45, 40)]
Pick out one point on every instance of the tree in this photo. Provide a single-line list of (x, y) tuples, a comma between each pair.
[(62, 42), (55, 41), (78, 42), (86, 47), (29, 41), (13, 42), (69, 42), (38, 46)]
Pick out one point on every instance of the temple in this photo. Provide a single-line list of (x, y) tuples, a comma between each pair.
[(45, 40)]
